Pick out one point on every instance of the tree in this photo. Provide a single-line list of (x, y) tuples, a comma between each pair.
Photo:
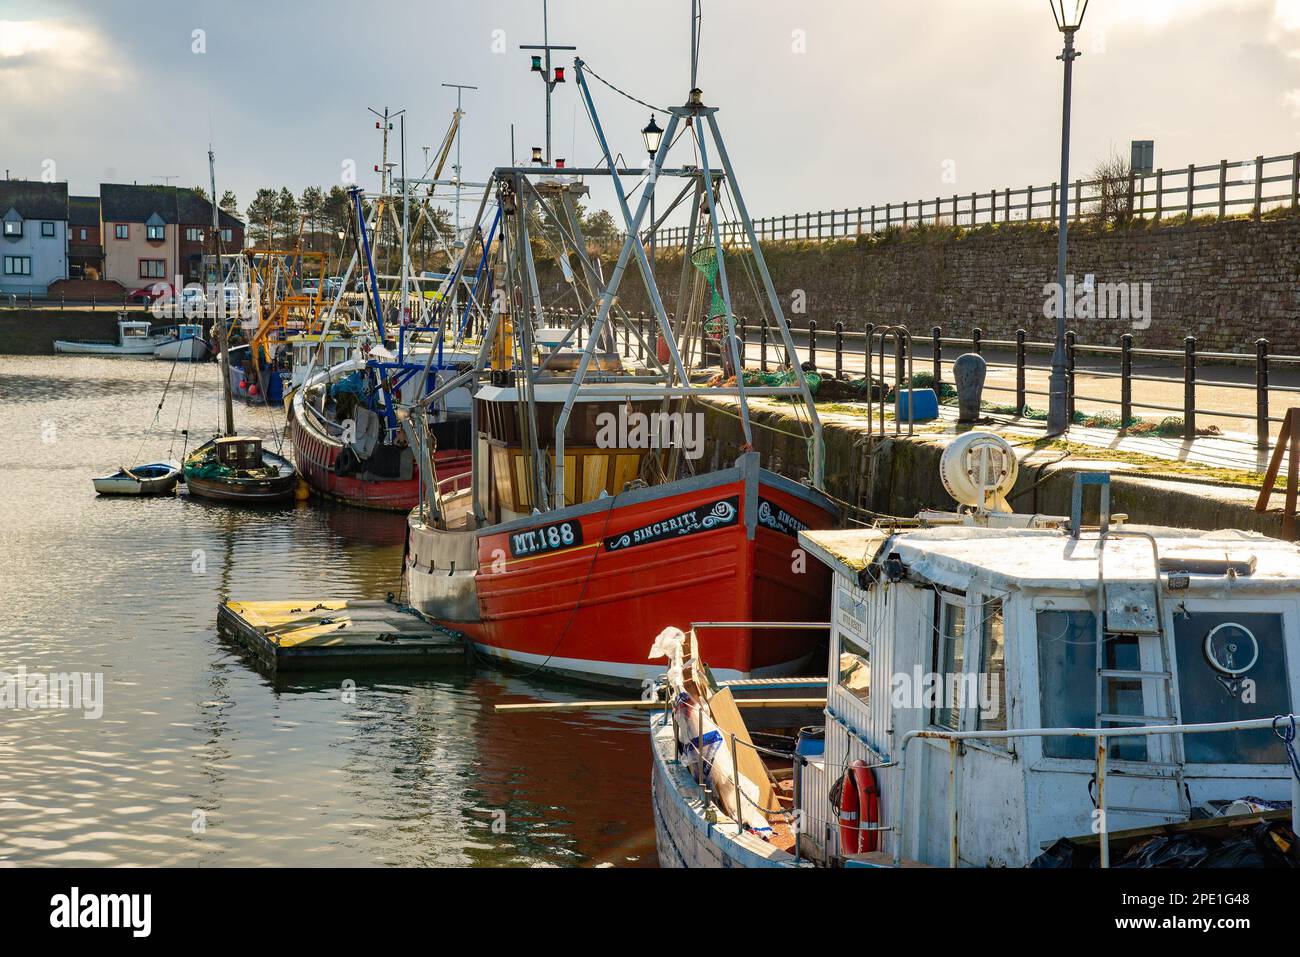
[(229, 203), (338, 209), (312, 205), (262, 215), (1114, 205), (286, 214), (200, 192), (599, 225)]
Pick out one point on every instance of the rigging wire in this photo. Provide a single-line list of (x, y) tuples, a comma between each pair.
[(586, 67)]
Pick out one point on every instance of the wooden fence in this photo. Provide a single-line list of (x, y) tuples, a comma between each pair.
[(1218, 190)]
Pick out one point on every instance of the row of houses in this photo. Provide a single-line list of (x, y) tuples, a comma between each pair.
[(130, 235)]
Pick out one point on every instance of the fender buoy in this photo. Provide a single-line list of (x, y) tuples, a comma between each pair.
[(868, 792), (243, 383), (848, 814), (252, 389)]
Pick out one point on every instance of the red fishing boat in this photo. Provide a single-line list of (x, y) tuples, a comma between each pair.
[(593, 517), (575, 590), (346, 452)]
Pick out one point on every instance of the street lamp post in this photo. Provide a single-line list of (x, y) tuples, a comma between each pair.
[(1069, 17), (652, 135)]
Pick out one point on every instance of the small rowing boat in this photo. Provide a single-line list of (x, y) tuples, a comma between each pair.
[(156, 478)]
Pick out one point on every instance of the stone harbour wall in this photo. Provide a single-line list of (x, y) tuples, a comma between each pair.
[(1227, 283)]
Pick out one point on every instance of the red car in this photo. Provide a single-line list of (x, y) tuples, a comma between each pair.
[(147, 294)]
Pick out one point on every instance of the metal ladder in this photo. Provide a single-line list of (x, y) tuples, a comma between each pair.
[(1132, 610)]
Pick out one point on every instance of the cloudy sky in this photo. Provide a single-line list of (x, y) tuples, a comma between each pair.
[(825, 103)]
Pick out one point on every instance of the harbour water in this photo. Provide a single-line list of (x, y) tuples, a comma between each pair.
[(198, 759)]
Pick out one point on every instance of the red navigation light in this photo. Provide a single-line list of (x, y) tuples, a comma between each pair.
[(559, 74), (559, 164)]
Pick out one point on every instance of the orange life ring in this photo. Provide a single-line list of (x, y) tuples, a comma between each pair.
[(868, 800), (848, 815)]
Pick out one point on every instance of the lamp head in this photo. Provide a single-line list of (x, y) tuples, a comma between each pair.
[(1068, 14), (652, 135)]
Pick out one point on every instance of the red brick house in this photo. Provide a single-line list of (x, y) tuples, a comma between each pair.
[(85, 244)]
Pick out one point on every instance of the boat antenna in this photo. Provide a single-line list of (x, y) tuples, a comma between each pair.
[(696, 16), (219, 311)]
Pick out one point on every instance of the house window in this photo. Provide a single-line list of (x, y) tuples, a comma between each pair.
[(227, 235), (950, 660), (83, 235), (47, 230), (153, 268), (18, 265), (154, 233), (13, 228), (193, 234), (122, 231)]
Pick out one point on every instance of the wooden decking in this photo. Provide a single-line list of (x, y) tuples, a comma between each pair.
[(311, 633)]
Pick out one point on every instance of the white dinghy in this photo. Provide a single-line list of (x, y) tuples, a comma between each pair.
[(156, 478)]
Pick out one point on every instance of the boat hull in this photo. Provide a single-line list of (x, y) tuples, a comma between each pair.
[(139, 350), (315, 454), (188, 349), (119, 483), (718, 548), (684, 835), (246, 490)]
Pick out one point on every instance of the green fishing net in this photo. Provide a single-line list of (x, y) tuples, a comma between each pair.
[(705, 259), (755, 378)]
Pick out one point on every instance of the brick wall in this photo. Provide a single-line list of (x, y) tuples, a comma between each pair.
[(1227, 283)]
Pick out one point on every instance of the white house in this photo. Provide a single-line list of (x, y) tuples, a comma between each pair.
[(33, 236)]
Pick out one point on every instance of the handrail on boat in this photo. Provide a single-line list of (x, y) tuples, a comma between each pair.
[(1102, 737)]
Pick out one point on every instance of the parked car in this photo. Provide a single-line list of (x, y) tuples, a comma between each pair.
[(147, 294)]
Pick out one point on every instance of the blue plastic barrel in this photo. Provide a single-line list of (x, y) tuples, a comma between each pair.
[(923, 403)]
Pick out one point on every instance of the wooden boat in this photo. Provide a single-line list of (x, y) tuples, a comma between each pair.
[(236, 468), (985, 667), (134, 338), (156, 478)]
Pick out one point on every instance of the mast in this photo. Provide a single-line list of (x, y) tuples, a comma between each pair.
[(220, 309)]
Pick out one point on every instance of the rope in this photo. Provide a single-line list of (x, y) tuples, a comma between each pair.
[(658, 109), (1288, 734), (591, 568)]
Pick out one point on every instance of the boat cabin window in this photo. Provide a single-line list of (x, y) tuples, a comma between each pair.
[(855, 669), (949, 658), (993, 670), (1231, 667), (1067, 683), (242, 454)]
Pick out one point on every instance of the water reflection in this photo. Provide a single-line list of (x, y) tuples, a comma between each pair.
[(199, 758)]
